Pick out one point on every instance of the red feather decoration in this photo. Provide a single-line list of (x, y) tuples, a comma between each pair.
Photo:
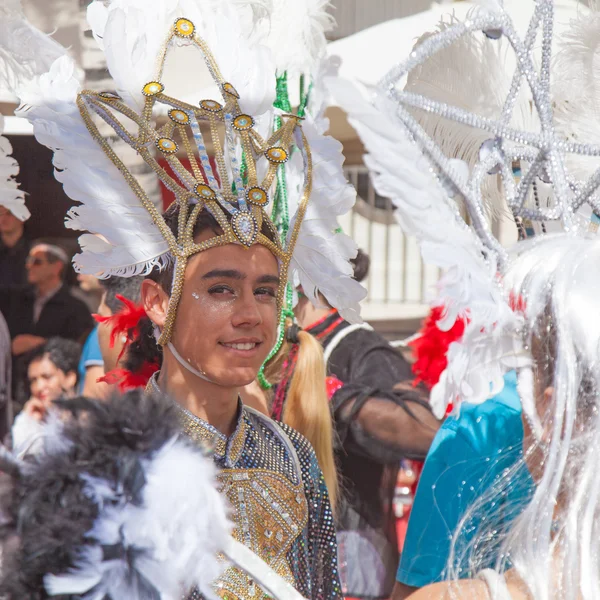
[(127, 380), (125, 321), (431, 347)]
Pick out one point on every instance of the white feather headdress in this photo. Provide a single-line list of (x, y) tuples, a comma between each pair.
[(405, 152), (11, 197), (129, 238)]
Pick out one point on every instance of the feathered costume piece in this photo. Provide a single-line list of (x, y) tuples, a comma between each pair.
[(238, 126), (110, 514), (415, 127), (107, 511), (11, 197)]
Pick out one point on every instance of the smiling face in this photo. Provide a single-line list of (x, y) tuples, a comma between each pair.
[(226, 321)]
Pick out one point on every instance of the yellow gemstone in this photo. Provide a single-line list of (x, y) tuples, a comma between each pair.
[(178, 116), (227, 87), (210, 105), (153, 88), (243, 122), (167, 145), (184, 28), (257, 196), (276, 154), (204, 191)]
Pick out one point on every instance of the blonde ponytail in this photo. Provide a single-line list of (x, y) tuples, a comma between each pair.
[(307, 408)]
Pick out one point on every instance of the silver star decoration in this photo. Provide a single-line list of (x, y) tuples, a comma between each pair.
[(541, 154)]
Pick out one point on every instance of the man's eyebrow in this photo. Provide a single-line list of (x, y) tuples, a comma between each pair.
[(268, 279), (224, 274)]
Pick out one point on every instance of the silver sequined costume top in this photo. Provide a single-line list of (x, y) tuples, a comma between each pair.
[(271, 477)]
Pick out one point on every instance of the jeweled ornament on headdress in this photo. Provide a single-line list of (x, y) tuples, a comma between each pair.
[(239, 181)]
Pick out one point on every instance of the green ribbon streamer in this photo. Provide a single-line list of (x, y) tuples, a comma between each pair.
[(280, 213)]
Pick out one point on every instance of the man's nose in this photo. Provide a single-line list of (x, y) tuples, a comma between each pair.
[(247, 312)]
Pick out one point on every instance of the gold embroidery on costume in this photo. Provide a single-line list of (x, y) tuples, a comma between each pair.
[(270, 512)]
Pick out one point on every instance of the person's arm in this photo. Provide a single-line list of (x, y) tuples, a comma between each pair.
[(384, 425), (25, 342), (374, 415)]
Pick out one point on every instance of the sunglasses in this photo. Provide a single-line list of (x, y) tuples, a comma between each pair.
[(33, 261)]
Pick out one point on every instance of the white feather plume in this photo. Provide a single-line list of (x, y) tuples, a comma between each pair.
[(25, 52), (132, 34), (176, 543), (296, 34), (474, 73), (131, 243), (322, 253), (400, 172), (576, 87), (11, 197)]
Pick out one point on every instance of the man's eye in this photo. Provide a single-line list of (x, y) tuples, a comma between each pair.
[(265, 291), (220, 289)]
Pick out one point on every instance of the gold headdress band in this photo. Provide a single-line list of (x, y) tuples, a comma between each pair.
[(201, 188)]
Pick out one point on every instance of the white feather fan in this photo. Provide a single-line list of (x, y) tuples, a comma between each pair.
[(25, 52), (11, 197), (132, 34), (469, 286), (576, 87), (296, 34), (322, 253), (130, 242), (184, 541)]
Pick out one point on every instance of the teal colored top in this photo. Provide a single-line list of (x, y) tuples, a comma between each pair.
[(468, 454), (90, 356)]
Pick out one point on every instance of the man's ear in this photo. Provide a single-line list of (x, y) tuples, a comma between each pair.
[(155, 302)]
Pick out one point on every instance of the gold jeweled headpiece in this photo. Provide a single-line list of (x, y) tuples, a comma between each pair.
[(234, 187)]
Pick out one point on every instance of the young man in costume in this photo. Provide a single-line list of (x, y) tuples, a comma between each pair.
[(217, 268)]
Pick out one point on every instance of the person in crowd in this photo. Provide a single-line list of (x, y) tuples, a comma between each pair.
[(51, 374), (46, 308), (91, 368), (43, 309), (116, 290), (379, 418), (469, 456), (14, 249)]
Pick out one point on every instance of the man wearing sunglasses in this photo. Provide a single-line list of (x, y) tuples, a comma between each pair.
[(46, 308)]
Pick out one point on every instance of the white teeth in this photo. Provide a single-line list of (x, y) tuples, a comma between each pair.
[(246, 346)]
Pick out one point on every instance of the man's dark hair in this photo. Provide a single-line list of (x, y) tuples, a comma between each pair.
[(63, 354), (204, 222), (128, 287), (361, 265)]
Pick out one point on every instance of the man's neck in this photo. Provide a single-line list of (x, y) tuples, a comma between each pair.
[(43, 288), (215, 404), (11, 238)]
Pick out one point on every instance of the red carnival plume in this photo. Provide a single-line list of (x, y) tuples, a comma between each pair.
[(431, 346)]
